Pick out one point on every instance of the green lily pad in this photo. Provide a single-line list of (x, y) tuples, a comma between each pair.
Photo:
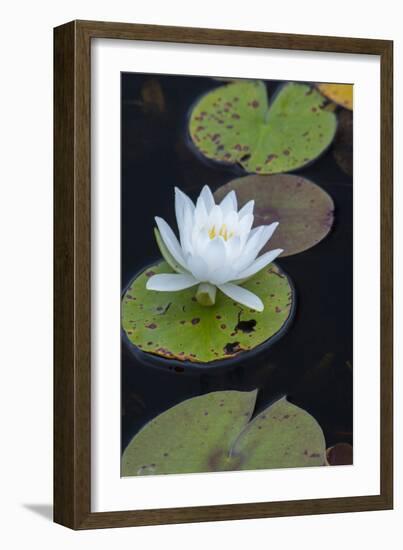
[(213, 433), (304, 210), (174, 325), (282, 436), (234, 123)]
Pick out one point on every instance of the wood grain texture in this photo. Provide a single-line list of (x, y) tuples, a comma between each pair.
[(72, 267), (72, 342), (387, 273), (64, 382)]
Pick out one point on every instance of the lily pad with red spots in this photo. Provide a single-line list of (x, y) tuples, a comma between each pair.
[(214, 433), (235, 124), (175, 326), (305, 211)]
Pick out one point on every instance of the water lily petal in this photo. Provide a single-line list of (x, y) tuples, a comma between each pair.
[(166, 254), (246, 209), (221, 275), (233, 249), (198, 267), (215, 253), (250, 249), (231, 222), (260, 263), (200, 241), (260, 239), (201, 216), (208, 198), (242, 295), (215, 218), (182, 201), (267, 233), (170, 240), (216, 244), (169, 282), (253, 231), (229, 203), (257, 240), (184, 210), (186, 231), (245, 225)]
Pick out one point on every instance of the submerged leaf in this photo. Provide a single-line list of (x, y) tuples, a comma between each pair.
[(213, 432), (343, 142), (235, 124), (342, 94), (153, 97), (174, 325), (303, 209)]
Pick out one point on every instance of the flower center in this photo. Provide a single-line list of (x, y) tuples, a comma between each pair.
[(221, 232)]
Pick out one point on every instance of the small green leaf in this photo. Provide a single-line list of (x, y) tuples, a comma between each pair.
[(282, 436), (234, 123), (213, 432), (305, 211), (174, 325)]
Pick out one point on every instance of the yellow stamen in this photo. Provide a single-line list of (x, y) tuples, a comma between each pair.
[(223, 232)]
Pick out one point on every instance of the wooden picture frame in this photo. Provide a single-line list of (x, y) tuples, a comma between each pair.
[(72, 270)]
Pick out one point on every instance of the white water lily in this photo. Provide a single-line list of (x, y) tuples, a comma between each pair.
[(217, 248)]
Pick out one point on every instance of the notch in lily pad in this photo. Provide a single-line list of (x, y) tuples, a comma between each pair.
[(236, 124), (217, 432)]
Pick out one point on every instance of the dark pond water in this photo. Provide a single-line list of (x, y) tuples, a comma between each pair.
[(312, 362)]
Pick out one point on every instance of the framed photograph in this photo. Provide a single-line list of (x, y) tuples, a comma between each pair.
[(223, 275)]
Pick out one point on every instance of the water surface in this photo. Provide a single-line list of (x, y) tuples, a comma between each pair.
[(312, 363)]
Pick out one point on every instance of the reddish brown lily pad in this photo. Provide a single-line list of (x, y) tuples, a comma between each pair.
[(340, 454), (305, 211), (153, 97)]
